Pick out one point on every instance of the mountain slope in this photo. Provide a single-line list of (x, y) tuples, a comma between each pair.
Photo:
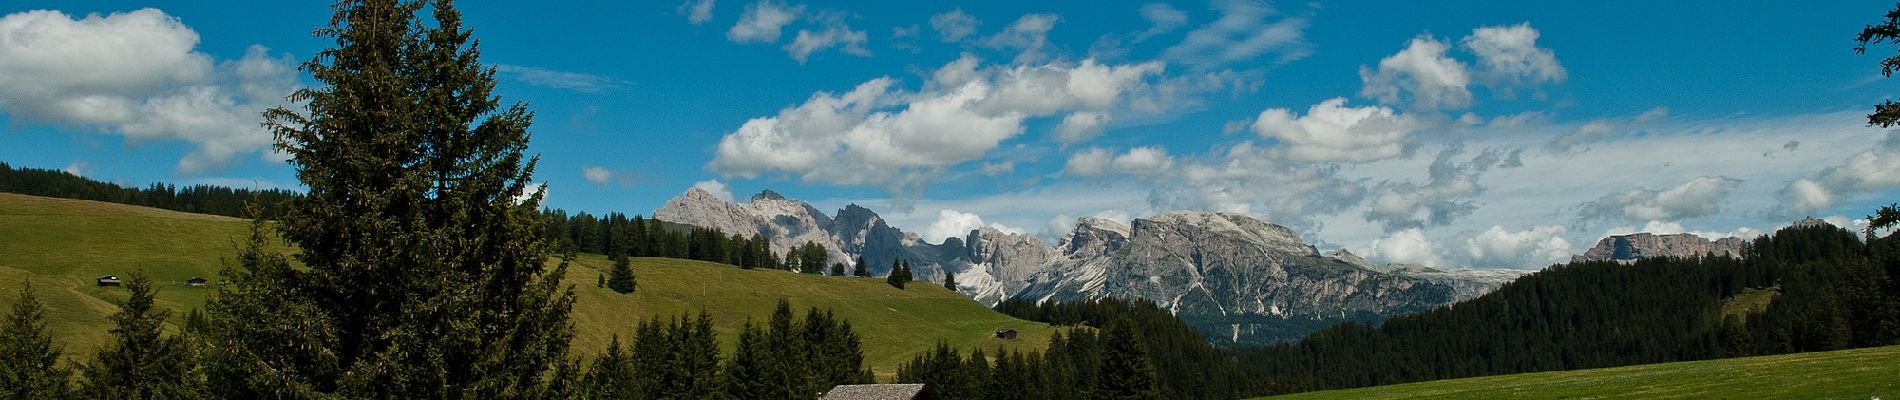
[(1845, 374), (61, 245)]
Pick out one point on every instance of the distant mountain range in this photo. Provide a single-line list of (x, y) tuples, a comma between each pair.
[(1238, 279)]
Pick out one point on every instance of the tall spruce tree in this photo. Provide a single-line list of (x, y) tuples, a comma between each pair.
[(744, 375), (949, 281), (896, 277), (612, 375), (787, 372), (141, 362), (837, 269), (424, 275), (621, 278), (29, 361), (859, 269)]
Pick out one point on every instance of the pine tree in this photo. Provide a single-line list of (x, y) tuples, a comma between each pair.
[(787, 371), (141, 362), (837, 269), (600, 280), (1126, 372), (949, 281), (611, 376), (744, 376), (622, 279), (423, 275), (860, 269), (29, 361)]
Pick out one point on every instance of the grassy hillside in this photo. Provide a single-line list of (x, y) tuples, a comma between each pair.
[(61, 245), (1845, 374)]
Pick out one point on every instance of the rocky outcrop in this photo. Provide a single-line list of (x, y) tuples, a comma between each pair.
[(1640, 245), (1239, 279)]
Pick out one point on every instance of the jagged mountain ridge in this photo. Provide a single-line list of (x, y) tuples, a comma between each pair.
[(1641, 245), (1238, 278)]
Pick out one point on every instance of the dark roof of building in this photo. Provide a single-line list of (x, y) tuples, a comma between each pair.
[(905, 391), (196, 279)]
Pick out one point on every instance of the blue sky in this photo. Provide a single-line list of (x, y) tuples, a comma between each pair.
[(1485, 133)]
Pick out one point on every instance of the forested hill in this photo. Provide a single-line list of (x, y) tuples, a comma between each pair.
[(1807, 288), (199, 199)]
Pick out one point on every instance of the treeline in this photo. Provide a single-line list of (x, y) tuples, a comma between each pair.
[(679, 359), (1834, 292), (201, 199), (637, 236), (1121, 350)]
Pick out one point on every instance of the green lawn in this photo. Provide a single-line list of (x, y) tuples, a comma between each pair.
[(61, 245), (1846, 374)]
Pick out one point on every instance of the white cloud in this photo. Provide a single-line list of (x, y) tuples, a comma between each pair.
[(1535, 247), (1421, 72), (696, 11), (1698, 197), (1080, 127), (953, 26), (576, 81), (1603, 129), (836, 34), (597, 174), (138, 74), (1029, 34), (999, 168), (878, 134), (1508, 57), (76, 168), (1136, 161), (1089, 162), (1250, 179), (1409, 246), (763, 22), (1162, 18), (1447, 196), (952, 223), (1331, 131), (1242, 33), (1867, 171), (1142, 160), (716, 188)]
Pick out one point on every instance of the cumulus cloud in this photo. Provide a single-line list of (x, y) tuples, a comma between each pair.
[(1448, 195), (1508, 57), (575, 81), (952, 223), (696, 11), (1089, 162), (1699, 197), (879, 134), (1080, 126), (1421, 72), (716, 188), (835, 34), (1245, 30), (953, 26), (1029, 34), (1331, 131), (763, 22), (138, 74), (1535, 247), (1142, 160), (1409, 246), (1868, 171)]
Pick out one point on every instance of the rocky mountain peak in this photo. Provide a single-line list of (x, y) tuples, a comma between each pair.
[(1811, 222), (1644, 245), (766, 194), (1094, 236), (1230, 225)]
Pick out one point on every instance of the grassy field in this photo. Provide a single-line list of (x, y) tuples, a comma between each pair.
[(62, 245), (1846, 374)]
